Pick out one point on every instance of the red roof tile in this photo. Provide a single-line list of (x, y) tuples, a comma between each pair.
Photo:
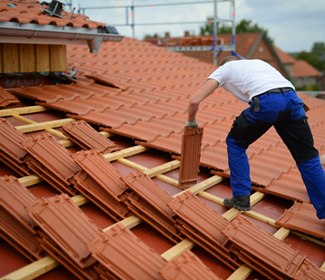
[(51, 161), (262, 251), (125, 255), (187, 266), (289, 186), (26, 12), (190, 157), (16, 226), (302, 214), (6, 98), (304, 69), (150, 204), (309, 271), (108, 177), (203, 226), (87, 137), (96, 193), (65, 224), (285, 58), (11, 149)]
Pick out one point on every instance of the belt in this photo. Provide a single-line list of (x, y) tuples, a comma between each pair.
[(256, 100), (278, 90)]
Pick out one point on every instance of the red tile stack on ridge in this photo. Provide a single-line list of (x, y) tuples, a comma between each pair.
[(51, 161), (65, 232), (16, 227), (203, 226), (126, 256), (12, 151), (263, 252), (187, 266), (101, 183), (6, 98), (149, 202), (88, 138)]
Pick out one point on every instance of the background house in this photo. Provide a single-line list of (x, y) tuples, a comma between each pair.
[(249, 46), (304, 76)]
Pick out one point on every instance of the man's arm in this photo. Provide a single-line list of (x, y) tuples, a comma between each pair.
[(193, 106)]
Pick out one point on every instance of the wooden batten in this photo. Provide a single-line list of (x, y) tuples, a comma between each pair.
[(31, 58)]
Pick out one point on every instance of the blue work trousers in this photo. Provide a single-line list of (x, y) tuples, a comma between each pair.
[(285, 112)]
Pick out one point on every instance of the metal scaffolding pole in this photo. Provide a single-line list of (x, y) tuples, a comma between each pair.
[(215, 49), (215, 33)]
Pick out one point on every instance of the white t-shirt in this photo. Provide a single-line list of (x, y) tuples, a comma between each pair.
[(248, 78)]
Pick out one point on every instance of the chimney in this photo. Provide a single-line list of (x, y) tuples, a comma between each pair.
[(187, 34), (167, 34)]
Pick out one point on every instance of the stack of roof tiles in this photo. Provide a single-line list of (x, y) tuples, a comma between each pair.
[(7, 99), (149, 202), (87, 137), (16, 227), (101, 183), (51, 161), (11, 150)]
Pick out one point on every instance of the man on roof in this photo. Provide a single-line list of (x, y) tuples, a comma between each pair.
[(273, 102)]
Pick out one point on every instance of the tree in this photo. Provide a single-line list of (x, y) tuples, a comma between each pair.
[(244, 26), (148, 36), (312, 59), (318, 48)]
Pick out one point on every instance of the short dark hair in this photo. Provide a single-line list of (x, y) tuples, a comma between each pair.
[(228, 58)]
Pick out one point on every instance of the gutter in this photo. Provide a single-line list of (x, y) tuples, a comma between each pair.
[(30, 33)]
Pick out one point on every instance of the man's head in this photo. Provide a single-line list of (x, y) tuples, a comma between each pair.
[(228, 58)]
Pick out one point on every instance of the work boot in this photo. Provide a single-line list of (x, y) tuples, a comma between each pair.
[(241, 203)]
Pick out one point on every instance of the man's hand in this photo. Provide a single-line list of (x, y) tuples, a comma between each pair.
[(193, 124)]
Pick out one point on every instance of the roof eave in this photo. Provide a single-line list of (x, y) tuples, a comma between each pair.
[(13, 32)]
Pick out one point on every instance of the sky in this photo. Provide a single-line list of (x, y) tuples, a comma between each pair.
[(294, 25)]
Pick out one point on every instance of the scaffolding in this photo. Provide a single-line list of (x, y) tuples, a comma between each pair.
[(216, 48)]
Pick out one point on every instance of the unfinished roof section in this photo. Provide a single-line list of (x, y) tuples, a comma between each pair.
[(51, 161), (153, 109), (87, 137), (125, 255), (302, 217), (16, 227)]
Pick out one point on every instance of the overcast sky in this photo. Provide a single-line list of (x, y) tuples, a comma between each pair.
[(293, 24)]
